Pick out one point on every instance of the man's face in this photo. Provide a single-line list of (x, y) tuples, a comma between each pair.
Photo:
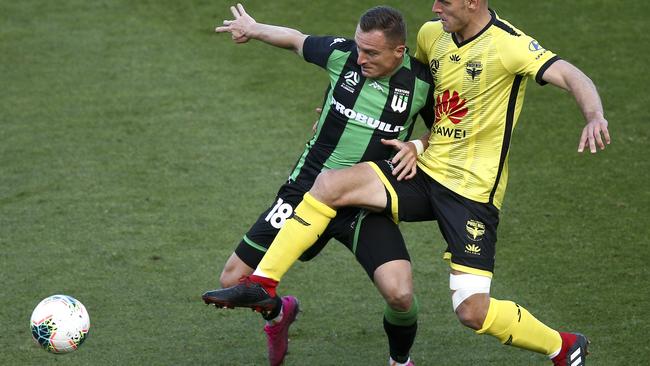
[(378, 57), (453, 14)]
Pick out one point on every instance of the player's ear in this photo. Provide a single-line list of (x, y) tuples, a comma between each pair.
[(399, 50), (473, 4)]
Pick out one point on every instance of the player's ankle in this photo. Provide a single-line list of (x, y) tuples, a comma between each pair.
[(268, 283)]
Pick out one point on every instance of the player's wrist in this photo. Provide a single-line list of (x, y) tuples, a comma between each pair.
[(419, 146)]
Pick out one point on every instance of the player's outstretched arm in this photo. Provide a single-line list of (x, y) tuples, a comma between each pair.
[(566, 76), (244, 28)]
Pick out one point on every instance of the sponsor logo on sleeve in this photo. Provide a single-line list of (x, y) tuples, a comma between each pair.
[(534, 46), (337, 40)]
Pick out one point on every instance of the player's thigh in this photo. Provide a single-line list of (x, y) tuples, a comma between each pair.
[(375, 240), (470, 230), (355, 186)]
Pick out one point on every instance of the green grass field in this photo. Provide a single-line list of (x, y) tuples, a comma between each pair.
[(137, 146)]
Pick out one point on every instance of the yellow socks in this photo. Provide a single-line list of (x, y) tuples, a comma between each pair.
[(309, 221), (514, 325)]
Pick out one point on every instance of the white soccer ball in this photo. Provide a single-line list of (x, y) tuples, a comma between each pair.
[(60, 323)]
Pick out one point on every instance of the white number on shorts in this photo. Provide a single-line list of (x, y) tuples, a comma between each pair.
[(279, 214)]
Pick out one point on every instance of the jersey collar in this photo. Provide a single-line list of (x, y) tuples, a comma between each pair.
[(493, 17)]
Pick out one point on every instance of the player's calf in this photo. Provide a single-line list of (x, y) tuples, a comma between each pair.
[(233, 271)]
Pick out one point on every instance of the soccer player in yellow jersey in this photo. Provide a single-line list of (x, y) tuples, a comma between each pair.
[(480, 65)]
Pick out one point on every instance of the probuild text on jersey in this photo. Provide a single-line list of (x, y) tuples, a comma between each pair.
[(360, 117)]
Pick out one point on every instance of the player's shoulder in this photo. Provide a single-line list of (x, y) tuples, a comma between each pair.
[(418, 69), (323, 49), (509, 38), (431, 29), (506, 31), (332, 42), (504, 27)]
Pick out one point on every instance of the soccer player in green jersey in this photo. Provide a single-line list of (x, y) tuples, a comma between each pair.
[(376, 92), (480, 64)]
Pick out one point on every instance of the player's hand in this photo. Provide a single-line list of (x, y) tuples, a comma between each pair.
[(240, 27), (405, 160), (594, 134), (318, 110)]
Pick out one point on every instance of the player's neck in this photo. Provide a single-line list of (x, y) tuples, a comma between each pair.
[(398, 65), (474, 26)]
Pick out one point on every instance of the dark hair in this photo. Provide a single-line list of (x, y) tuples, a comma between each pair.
[(386, 19)]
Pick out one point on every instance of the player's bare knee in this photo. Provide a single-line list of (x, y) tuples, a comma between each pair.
[(470, 298), (469, 317), (399, 299), (326, 189)]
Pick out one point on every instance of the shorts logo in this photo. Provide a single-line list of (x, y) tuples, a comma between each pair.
[(390, 165), (475, 230), (472, 249)]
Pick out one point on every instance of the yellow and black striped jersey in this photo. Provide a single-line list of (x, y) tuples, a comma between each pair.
[(479, 90)]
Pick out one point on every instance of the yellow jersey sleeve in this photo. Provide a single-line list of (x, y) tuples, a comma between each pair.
[(523, 55)]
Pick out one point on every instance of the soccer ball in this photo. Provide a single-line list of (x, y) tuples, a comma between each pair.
[(60, 323)]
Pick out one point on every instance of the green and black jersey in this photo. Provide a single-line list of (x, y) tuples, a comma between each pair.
[(359, 112)]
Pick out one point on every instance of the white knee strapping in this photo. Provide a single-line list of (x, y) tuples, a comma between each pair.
[(466, 285)]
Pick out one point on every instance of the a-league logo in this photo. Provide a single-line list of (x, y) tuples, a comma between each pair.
[(351, 78)]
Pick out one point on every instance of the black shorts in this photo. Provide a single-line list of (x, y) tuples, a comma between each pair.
[(469, 227), (373, 237)]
